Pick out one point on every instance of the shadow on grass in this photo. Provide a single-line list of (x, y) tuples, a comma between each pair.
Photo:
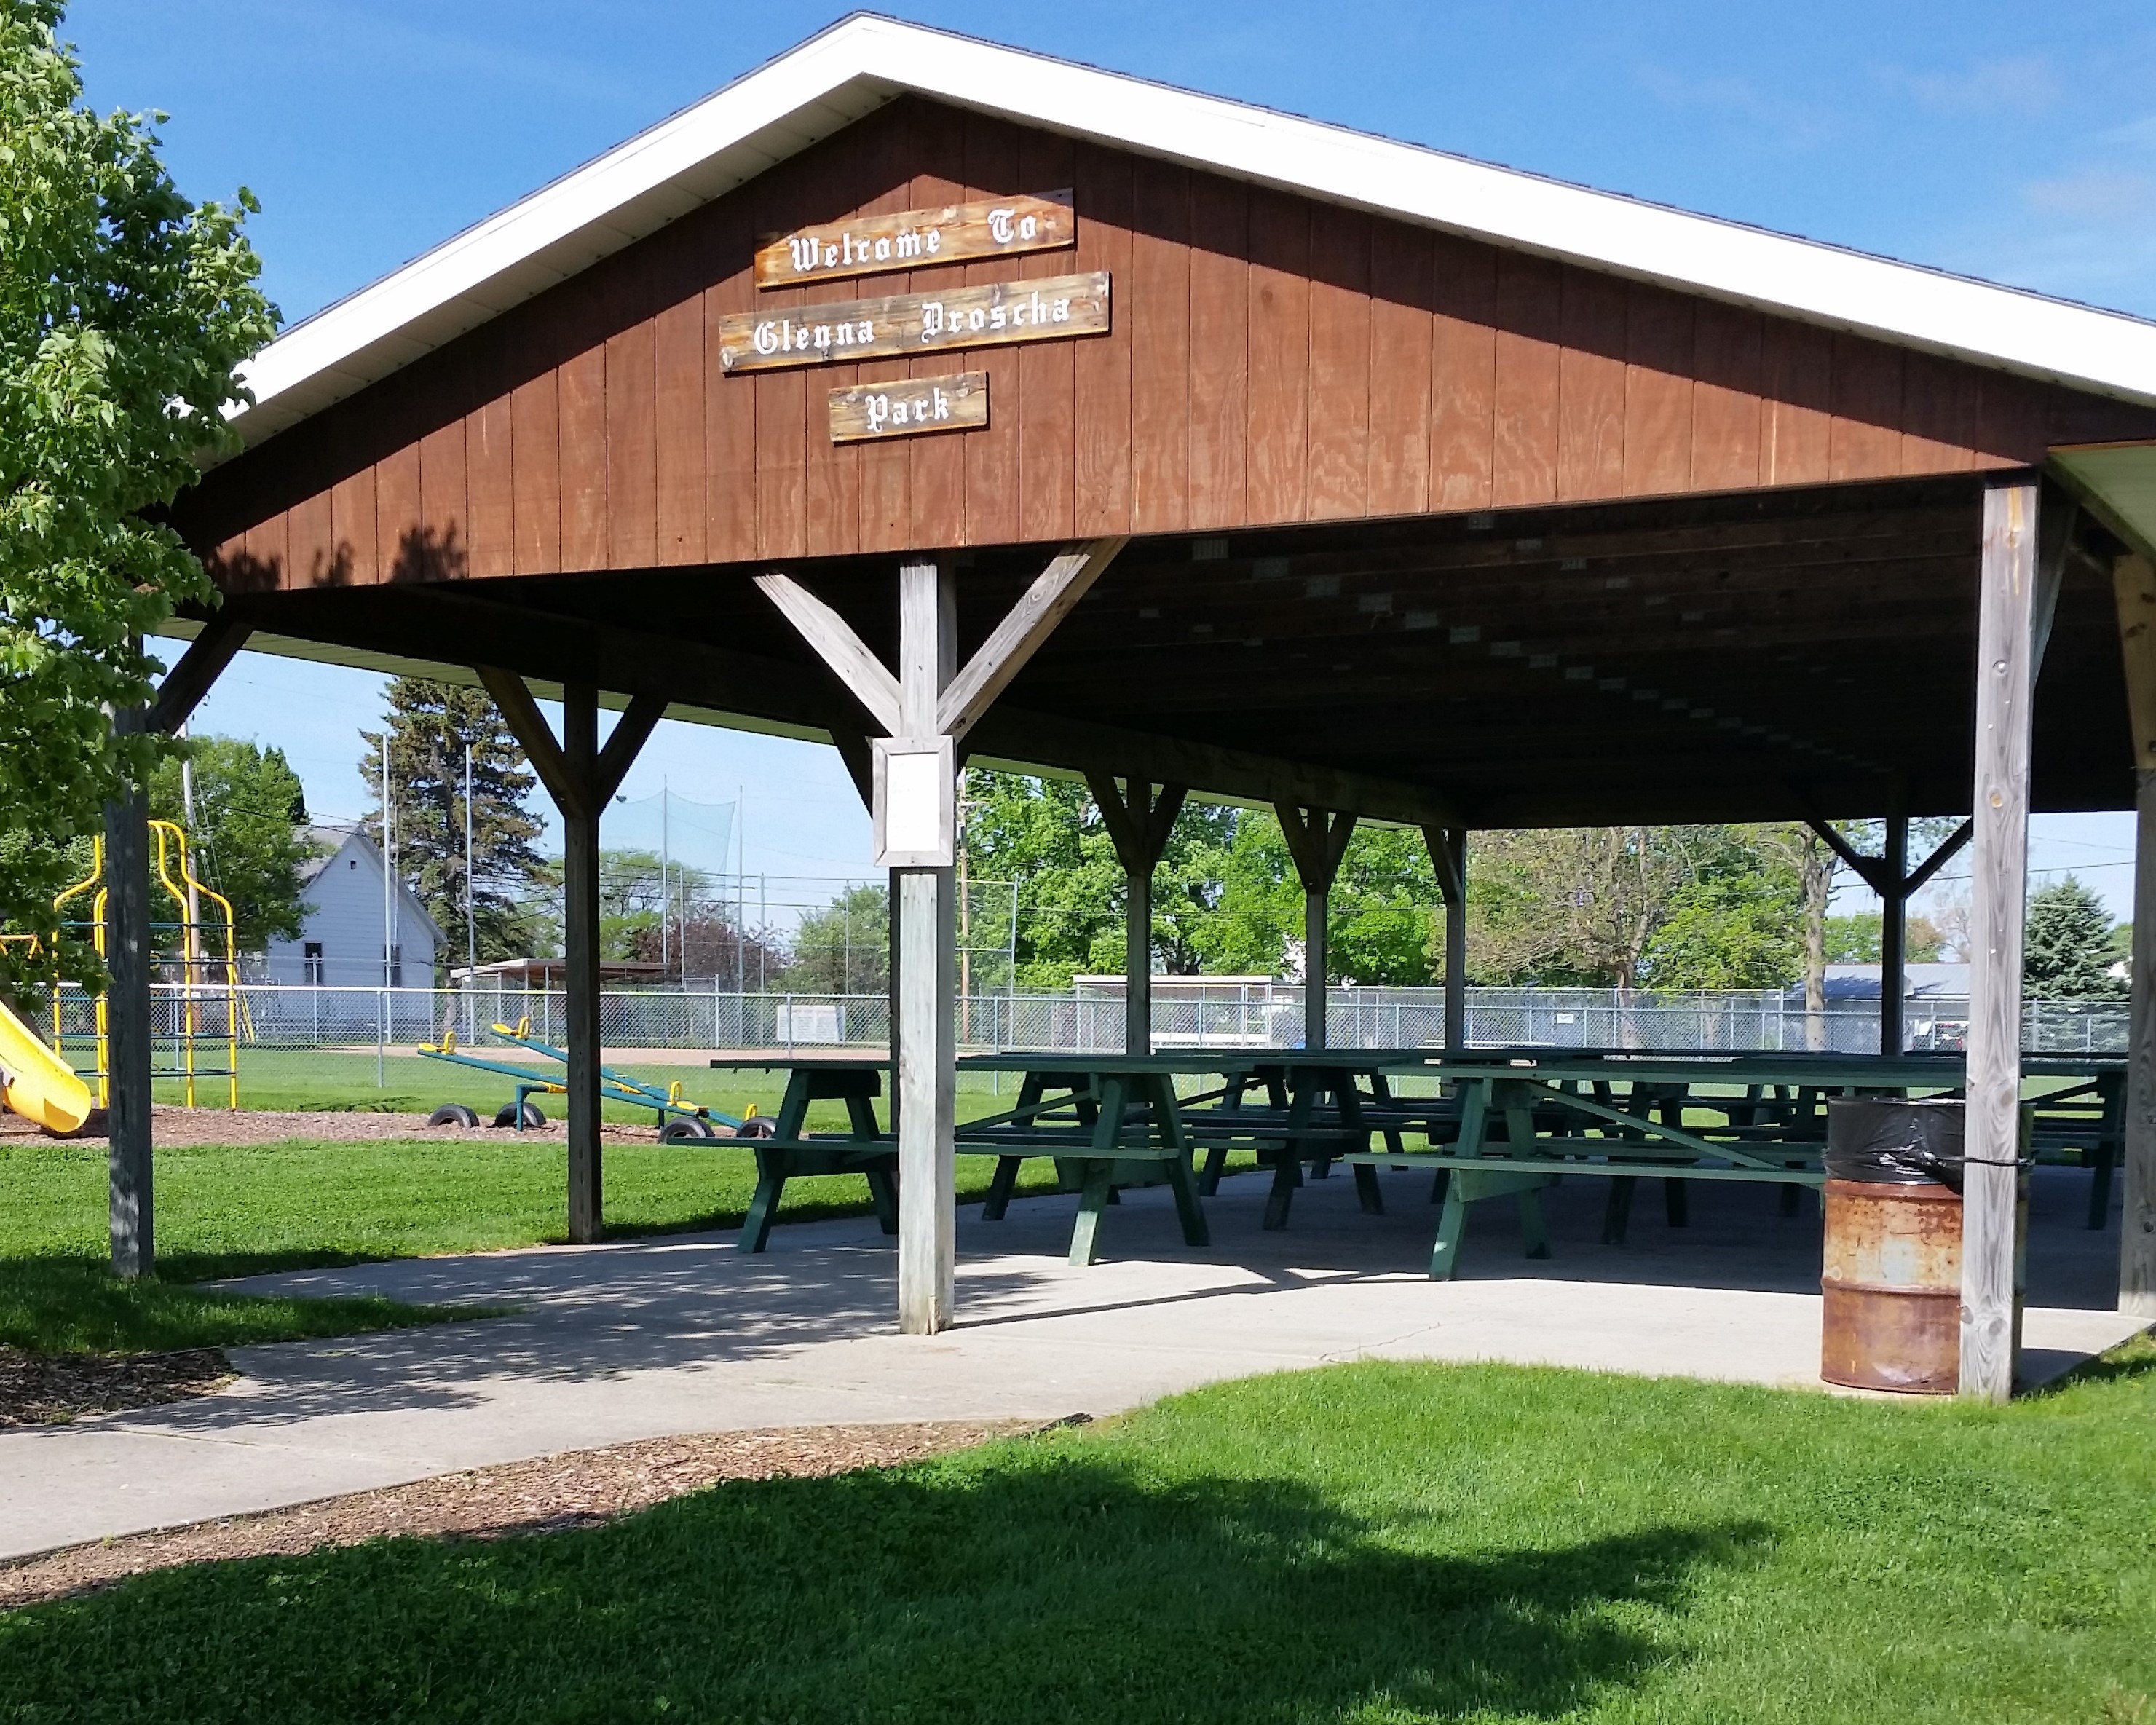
[(2135, 1358), (59, 1303), (1031, 1581)]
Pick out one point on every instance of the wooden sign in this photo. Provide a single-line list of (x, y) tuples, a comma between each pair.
[(990, 315), (991, 228), (906, 407)]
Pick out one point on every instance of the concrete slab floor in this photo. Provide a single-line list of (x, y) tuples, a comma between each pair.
[(644, 1338)]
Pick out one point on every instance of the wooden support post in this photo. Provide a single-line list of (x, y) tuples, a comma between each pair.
[(1139, 823), (580, 945), (2006, 620), (1448, 857), (1318, 839), (197, 668), (927, 1052), (1890, 876), (930, 698), (127, 1037), (581, 777), (1893, 933), (2134, 582)]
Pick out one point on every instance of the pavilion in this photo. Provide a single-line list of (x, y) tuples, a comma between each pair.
[(1271, 461)]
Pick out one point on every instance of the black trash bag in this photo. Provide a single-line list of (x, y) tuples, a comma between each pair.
[(1885, 1141)]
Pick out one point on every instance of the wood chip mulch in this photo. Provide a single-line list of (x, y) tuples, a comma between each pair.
[(46, 1389), (581, 1489)]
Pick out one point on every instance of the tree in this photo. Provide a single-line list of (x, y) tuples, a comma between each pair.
[(1046, 835), (1383, 921), (247, 839), (2068, 945), (1855, 939), (1667, 907), (845, 947), (124, 310), (1736, 924), (429, 725), (634, 893), (1816, 862)]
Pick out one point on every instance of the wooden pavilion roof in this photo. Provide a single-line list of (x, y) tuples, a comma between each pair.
[(1428, 525)]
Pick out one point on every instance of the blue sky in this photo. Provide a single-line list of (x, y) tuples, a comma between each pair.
[(1959, 135)]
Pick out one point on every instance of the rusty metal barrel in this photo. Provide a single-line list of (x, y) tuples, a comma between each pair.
[(1891, 1273)]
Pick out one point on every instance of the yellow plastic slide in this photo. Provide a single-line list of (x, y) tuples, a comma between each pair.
[(35, 1082)]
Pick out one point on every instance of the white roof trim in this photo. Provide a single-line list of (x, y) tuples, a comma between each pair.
[(833, 79)]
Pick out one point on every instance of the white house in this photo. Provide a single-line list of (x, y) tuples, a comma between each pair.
[(340, 943)]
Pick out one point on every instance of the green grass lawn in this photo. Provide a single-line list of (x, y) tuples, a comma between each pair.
[(1374, 1542), (59, 1304), (243, 1210), (409, 1083)]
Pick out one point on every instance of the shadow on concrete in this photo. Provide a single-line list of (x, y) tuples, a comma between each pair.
[(596, 1314), (587, 1314), (1035, 1587)]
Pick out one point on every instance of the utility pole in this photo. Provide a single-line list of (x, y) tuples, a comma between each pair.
[(665, 875)]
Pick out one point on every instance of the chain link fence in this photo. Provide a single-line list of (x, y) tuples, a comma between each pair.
[(1186, 1014)]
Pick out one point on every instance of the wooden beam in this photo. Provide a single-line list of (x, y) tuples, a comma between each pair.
[(580, 940), (1893, 933), (128, 1027), (2006, 618), (1139, 825), (580, 776), (1872, 871), (528, 725), (1021, 738), (725, 682), (631, 731), (832, 639), (860, 762), (190, 679), (1950, 847), (926, 1049), (1318, 839), (1448, 856), (2054, 543), (2133, 582), (1016, 639)]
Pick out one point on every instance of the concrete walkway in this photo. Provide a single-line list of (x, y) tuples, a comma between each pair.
[(647, 1338)]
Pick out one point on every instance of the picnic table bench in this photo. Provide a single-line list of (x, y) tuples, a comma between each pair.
[(1318, 1107), (1106, 1120), (1527, 1121)]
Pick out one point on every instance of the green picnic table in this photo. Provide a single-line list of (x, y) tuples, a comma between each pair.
[(1319, 1105), (1106, 1120), (1526, 1119)]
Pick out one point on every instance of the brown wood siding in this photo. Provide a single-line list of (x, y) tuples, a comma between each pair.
[(1273, 360)]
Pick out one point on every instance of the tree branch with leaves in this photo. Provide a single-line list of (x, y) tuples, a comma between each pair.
[(125, 312)]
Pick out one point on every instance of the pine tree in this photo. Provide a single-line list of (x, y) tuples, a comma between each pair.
[(2066, 945), (429, 725)]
